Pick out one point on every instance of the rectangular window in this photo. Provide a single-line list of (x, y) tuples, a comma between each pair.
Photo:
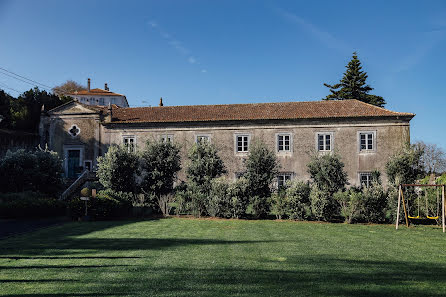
[(365, 179), (284, 142), (242, 143), (167, 137), (129, 142), (324, 142), (202, 138), (282, 178), (101, 101), (366, 141)]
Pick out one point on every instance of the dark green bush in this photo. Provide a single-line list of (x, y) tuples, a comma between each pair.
[(107, 205), (279, 204), (298, 200), (351, 202), (374, 203), (30, 205), (239, 196), (37, 171), (323, 206), (219, 200)]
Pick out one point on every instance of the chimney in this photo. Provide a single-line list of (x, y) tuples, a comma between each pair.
[(106, 87), (161, 102), (110, 113), (88, 84)]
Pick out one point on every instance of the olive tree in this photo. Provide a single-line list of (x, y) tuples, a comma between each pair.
[(160, 162), (262, 168), (118, 169)]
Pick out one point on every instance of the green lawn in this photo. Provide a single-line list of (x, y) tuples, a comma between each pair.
[(190, 257)]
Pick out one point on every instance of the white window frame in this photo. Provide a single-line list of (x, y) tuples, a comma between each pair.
[(164, 137), (283, 175), (130, 148), (236, 136), (324, 134), (367, 150), (368, 182), (283, 150), (203, 136)]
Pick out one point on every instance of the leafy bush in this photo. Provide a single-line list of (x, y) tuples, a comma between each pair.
[(107, 205), (30, 205), (204, 165), (350, 202), (117, 169), (38, 171), (85, 192), (219, 200), (323, 206), (298, 198), (405, 166), (374, 203), (279, 204), (262, 167), (191, 200), (239, 197), (160, 162), (327, 172)]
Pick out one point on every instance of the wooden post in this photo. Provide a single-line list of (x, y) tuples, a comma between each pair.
[(442, 213), (404, 207), (398, 211)]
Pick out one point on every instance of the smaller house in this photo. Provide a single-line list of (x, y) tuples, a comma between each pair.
[(101, 97)]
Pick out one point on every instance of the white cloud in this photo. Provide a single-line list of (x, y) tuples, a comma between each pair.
[(191, 60), (322, 36)]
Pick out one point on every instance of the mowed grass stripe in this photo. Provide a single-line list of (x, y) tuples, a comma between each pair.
[(203, 257)]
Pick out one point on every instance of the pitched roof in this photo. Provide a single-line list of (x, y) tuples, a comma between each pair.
[(258, 111), (95, 92)]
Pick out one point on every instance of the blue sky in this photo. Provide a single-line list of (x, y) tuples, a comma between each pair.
[(218, 52)]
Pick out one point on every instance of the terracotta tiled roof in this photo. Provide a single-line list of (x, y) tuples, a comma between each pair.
[(261, 111), (95, 92)]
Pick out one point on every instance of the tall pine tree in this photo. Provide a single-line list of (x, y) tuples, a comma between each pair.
[(353, 85)]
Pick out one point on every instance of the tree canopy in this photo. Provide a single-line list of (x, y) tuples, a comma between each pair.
[(23, 112), (353, 85), (68, 87)]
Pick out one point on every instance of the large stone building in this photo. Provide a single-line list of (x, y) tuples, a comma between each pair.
[(365, 136)]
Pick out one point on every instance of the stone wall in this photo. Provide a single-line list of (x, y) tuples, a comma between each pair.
[(391, 135)]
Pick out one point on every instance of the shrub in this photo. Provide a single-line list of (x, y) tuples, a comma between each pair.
[(219, 202), (191, 200), (327, 172), (323, 206), (103, 207), (238, 194), (298, 197), (374, 203), (30, 205), (261, 169), (350, 202), (39, 171), (279, 204), (117, 169), (160, 162), (405, 166), (204, 165)]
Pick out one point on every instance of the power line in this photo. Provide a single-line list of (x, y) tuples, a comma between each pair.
[(33, 84), (5, 86), (36, 82)]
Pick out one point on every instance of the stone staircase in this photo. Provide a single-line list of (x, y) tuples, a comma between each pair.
[(84, 177)]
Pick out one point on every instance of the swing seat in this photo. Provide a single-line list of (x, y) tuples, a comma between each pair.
[(416, 218), (432, 218)]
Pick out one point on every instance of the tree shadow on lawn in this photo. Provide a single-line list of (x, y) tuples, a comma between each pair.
[(299, 276), (66, 245)]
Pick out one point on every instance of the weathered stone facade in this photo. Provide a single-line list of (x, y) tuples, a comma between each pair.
[(386, 135)]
